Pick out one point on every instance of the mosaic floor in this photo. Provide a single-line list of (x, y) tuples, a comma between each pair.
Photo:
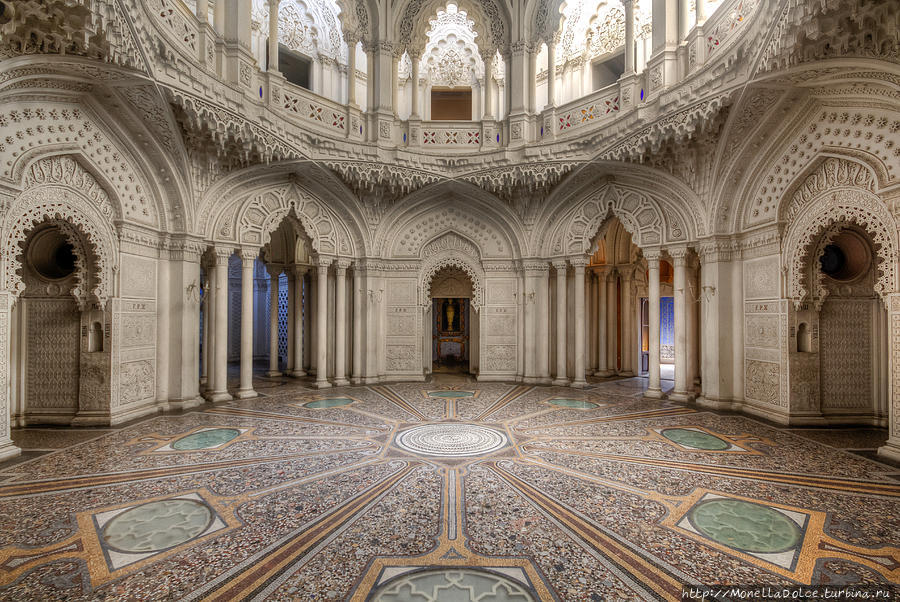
[(443, 492)]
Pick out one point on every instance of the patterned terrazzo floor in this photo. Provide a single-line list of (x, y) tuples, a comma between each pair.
[(443, 491)]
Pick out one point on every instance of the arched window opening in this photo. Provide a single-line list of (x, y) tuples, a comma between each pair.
[(803, 339), (95, 337)]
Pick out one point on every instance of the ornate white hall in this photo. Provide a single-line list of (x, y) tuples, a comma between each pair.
[(398, 299)]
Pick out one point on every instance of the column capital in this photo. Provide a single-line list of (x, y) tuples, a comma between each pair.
[(578, 262), (679, 255), (221, 254), (560, 265), (715, 250), (652, 256), (322, 262), (536, 268), (342, 264), (249, 253), (299, 270), (601, 270)]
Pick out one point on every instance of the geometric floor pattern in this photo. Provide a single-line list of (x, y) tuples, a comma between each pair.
[(431, 492)]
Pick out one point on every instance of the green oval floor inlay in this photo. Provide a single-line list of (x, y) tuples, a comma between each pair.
[(157, 525), (574, 403), (450, 394), (331, 402), (695, 439), (745, 526), (205, 439)]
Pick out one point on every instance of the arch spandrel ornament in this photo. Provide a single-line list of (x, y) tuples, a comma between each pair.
[(451, 250), (59, 190), (254, 218), (640, 215)]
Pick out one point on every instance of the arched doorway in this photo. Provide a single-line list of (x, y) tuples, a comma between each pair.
[(51, 333), (852, 326), (453, 320)]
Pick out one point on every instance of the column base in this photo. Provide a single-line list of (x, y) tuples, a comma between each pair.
[(185, 404), (216, 397), (273, 373), (890, 450), (246, 394), (625, 373), (682, 396), (202, 382), (298, 373), (604, 373), (560, 382), (322, 384), (578, 384), (8, 450), (357, 380), (341, 382), (653, 393)]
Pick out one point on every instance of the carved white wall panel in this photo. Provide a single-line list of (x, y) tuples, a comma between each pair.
[(762, 382), (401, 292), (138, 382), (138, 277), (761, 278), (501, 291), (761, 330)]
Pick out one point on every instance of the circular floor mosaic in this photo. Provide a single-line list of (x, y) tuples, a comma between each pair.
[(450, 394), (157, 525), (574, 403), (745, 526), (695, 439), (205, 439), (452, 440)]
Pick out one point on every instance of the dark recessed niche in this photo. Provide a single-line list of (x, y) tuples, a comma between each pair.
[(847, 257), (51, 255)]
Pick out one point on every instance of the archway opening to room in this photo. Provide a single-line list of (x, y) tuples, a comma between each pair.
[(56, 331), (454, 324)]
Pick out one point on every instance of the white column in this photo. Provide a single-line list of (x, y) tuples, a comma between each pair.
[(684, 18), (488, 58), (313, 332), (248, 258), (531, 57), (680, 392), (628, 329), (653, 387), (561, 313), (612, 297), (322, 324), (208, 306), (351, 72), (297, 316), (273, 35), (163, 328), (274, 271), (340, 323), (593, 310), (529, 295), (220, 384), (701, 11), (578, 263), (395, 83), (414, 110), (602, 358), (291, 325), (357, 324), (203, 18), (629, 36), (551, 72), (543, 321)]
